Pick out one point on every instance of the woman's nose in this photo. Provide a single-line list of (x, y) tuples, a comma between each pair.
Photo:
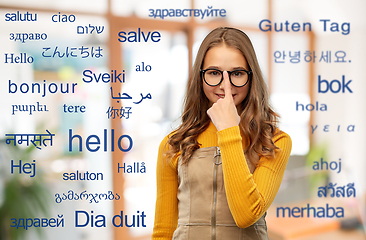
[(226, 78)]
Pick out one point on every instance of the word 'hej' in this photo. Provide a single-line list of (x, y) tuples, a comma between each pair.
[(26, 168), (266, 26), (119, 220)]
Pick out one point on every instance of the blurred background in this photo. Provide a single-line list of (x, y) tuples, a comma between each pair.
[(291, 62)]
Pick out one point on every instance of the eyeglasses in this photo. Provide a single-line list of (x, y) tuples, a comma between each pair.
[(214, 77)]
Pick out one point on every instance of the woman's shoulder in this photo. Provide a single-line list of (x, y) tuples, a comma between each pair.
[(164, 144), (281, 136), (164, 147)]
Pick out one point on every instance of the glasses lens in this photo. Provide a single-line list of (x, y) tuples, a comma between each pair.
[(213, 77), (239, 78)]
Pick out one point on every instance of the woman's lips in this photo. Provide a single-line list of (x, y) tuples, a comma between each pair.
[(223, 95)]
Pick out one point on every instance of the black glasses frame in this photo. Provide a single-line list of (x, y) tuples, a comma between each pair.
[(222, 76)]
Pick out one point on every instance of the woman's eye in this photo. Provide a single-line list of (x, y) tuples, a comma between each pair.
[(214, 73), (237, 74)]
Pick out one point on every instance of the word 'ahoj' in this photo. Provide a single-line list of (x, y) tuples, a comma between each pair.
[(323, 165)]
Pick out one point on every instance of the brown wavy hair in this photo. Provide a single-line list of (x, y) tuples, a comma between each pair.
[(257, 119)]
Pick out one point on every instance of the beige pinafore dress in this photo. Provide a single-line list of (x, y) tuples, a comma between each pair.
[(204, 213)]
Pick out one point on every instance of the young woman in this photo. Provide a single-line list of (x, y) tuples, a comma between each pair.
[(218, 173)]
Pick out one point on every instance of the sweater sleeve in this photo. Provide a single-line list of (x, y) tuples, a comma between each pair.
[(166, 208), (250, 195)]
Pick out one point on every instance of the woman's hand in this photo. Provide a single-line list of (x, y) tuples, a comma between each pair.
[(223, 113)]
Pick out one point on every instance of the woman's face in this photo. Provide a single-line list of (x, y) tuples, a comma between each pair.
[(225, 58)]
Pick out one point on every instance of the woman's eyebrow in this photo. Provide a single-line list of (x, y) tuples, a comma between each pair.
[(214, 67), (219, 68), (238, 68)]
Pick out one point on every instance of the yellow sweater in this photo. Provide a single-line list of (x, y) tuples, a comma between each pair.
[(243, 189)]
